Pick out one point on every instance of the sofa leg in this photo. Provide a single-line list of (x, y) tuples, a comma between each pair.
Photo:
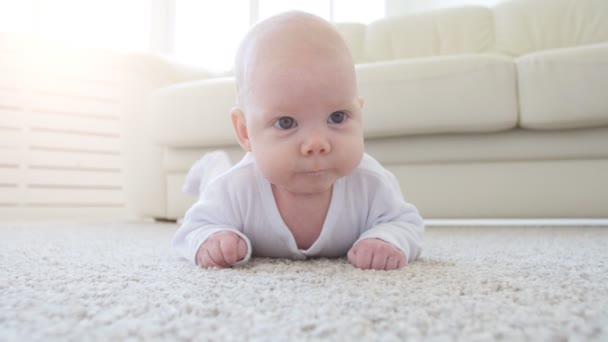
[(164, 220)]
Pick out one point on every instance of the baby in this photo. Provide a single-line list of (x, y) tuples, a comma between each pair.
[(305, 188)]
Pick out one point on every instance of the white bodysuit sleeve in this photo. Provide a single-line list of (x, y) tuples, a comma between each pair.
[(393, 220), (211, 165)]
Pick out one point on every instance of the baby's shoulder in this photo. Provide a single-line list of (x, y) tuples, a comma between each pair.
[(370, 170), (370, 181), (240, 177)]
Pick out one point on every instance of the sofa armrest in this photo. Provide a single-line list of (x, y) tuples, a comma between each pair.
[(194, 113), (145, 182), (159, 70)]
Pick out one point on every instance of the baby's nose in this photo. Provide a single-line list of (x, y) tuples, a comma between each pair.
[(315, 145)]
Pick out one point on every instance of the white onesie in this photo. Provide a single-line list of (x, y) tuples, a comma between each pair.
[(365, 204)]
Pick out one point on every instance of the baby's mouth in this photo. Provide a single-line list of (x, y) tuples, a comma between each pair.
[(313, 173)]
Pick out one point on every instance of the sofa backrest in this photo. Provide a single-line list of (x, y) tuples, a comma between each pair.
[(354, 35), (513, 27), (449, 31), (525, 26)]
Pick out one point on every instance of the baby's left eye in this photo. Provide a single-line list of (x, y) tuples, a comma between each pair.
[(336, 117)]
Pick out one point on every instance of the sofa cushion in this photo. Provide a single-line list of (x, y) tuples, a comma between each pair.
[(565, 88), (468, 93), (525, 26)]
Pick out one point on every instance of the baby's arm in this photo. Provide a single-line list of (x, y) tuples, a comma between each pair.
[(394, 229), (212, 230), (222, 249)]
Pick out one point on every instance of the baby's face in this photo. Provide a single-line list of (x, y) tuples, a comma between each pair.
[(304, 122)]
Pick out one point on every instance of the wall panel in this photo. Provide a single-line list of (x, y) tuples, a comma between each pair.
[(59, 132)]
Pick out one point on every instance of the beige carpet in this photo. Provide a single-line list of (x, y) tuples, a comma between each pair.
[(111, 282)]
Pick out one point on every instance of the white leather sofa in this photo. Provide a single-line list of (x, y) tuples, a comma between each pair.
[(480, 112)]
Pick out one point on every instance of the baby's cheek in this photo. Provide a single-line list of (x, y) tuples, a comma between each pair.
[(271, 167), (352, 155)]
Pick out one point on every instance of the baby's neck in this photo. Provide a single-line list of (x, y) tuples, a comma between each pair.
[(304, 214)]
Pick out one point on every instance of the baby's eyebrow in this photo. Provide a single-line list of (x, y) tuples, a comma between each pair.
[(276, 114)]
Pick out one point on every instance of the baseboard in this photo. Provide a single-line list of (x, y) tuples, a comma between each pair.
[(519, 222)]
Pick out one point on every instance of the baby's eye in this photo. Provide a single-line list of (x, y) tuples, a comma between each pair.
[(336, 117), (285, 122)]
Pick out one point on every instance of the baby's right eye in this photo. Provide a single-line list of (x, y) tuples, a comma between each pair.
[(285, 122)]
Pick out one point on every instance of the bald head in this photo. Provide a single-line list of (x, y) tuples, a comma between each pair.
[(295, 41)]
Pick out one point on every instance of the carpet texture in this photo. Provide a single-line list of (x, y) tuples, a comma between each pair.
[(119, 281)]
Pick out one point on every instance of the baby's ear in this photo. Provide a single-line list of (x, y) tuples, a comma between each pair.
[(361, 102), (240, 128)]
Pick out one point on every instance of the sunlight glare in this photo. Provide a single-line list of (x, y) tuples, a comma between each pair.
[(207, 33)]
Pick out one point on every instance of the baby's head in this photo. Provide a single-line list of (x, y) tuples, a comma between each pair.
[(298, 108)]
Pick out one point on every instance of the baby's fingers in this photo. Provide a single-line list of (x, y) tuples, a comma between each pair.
[(393, 263), (379, 259), (376, 254), (215, 254), (242, 249), (229, 248), (204, 260), (351, 256), (363, 258)]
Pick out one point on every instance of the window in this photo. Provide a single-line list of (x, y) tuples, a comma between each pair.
[(207, 33), (15, 16), (362, 11), (117, 24), (268, 8)]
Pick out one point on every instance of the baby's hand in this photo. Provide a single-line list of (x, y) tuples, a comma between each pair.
[(376, 254), (222, 249)]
